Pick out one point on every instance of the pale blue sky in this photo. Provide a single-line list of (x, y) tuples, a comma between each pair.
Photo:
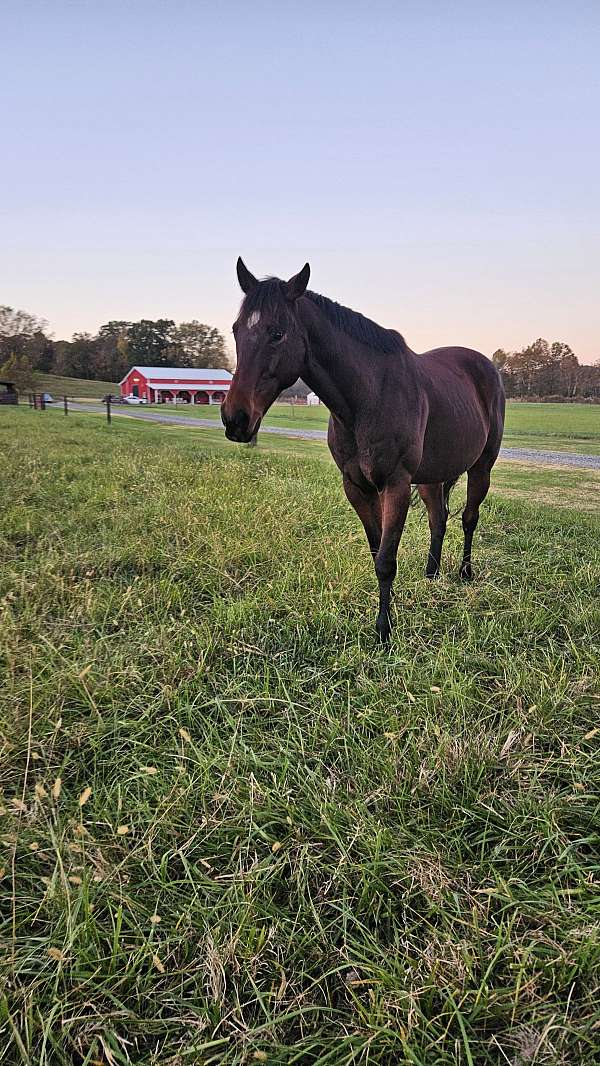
[(437, 163)]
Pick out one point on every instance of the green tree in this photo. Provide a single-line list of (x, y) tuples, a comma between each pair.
[(113, 350), (18, 368), (77, 358), (200, 346), (25, 337), (151, 343)]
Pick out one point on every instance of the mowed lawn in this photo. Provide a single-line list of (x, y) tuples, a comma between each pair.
[(234, 830), (570, 427)]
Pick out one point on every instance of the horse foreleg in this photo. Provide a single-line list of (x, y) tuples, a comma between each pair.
[(368, 508), (395, 503), (437, 511)]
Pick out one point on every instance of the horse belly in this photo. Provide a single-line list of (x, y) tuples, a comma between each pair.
[(448, 455)]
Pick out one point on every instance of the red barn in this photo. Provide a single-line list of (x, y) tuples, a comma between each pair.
[(165, 384)]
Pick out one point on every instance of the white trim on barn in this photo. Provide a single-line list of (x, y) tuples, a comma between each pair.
[(173, 373)]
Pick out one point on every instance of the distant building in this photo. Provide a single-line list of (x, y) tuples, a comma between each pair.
[(299, 391), (312, 399), (9, 393), (162, 384)]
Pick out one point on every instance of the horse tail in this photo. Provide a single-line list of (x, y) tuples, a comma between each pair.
[(448, 486), (415, 497)]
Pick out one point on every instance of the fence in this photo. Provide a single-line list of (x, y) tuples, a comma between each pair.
[(39, 402)]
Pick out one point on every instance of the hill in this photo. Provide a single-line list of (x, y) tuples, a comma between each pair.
[(79, 387)]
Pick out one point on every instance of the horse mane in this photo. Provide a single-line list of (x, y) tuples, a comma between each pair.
[(267, 296), (358, 326)]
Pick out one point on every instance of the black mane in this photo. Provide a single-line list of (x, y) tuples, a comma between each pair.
[(267, 296), (357, 326)]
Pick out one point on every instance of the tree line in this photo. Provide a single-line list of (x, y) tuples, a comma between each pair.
[(547, 371), (26, 346), (540, 370)]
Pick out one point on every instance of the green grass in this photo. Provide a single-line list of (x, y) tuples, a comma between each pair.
[(554, 426), (76, 387), (356, 855), (559, 487)]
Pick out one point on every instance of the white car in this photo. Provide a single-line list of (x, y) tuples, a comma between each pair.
[(135, 400)]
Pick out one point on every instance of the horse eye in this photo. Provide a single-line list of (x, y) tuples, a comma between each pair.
[(276, 334)]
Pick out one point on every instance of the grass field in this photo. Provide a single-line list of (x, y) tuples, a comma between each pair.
[(75, 387), (563, 427), (234, 829), (554, 426)]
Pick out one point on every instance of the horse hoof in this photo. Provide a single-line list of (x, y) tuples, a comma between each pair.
[(466, 573), (384, 633)]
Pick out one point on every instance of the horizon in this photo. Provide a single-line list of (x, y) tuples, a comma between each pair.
[(436, 167)]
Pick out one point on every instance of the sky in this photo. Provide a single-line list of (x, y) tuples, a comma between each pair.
[(438, 164)]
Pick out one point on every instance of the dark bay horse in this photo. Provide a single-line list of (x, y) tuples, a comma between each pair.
[(397, 419)]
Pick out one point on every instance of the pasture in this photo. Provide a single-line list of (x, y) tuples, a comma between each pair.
[(236, 830), (76, 388), (567, 427)]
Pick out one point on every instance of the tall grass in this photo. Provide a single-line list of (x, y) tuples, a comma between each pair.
[(234, 829)]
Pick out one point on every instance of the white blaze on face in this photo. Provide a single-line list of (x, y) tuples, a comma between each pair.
[(253, 319)]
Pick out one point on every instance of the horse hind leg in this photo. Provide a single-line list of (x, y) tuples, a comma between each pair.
[(435, 499), (478, 483)]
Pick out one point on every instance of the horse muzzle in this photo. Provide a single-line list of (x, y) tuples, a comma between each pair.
[(238, 428)]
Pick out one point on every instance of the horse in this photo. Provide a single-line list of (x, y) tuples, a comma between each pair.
[(397, 419)]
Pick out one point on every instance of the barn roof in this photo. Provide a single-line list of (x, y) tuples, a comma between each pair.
[(170, 373)]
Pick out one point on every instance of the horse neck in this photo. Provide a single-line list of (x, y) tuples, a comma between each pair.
[(338, 368)]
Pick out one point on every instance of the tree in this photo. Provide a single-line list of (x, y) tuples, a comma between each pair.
[(19, 323), (77, 358), (18, 368), (200, 346), (114, 328), (151, 343), (527, 365), (568, 365), (588, 380), (113, 350), (543, 369), (41, 349), (500, 358), (23, 336)]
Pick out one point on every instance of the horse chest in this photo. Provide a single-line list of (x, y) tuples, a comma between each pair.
[(370, 458)]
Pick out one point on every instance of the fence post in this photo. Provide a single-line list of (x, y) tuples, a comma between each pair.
[(108, 414), (42, 402), (66, 404)]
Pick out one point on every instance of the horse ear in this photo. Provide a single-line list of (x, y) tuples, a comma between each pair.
[(246, 279), (296, 286)]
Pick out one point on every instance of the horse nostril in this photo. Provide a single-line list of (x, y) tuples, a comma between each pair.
[(240, 420), (236, 425)]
